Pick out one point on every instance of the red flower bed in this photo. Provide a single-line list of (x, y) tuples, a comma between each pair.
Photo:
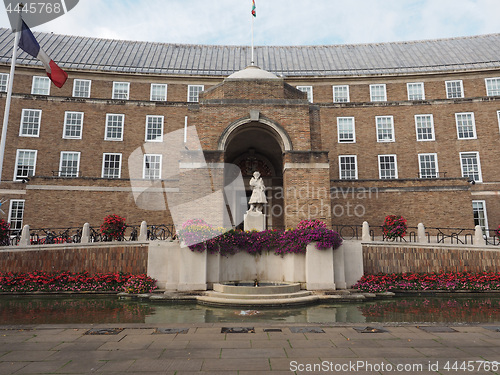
[(37, 281), (484, 281)]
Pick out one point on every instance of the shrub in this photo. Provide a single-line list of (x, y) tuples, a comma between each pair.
[(197, 233), (4, 233), (394, 227), (311, 224), (218, 240), (113, 227)]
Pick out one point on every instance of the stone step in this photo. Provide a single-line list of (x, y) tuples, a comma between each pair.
[(265, 287), (299, 294), (245, 303)]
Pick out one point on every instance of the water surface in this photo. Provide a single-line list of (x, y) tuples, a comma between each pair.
[(111, 309)]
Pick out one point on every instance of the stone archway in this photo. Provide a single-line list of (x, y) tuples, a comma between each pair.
[(253, 145)]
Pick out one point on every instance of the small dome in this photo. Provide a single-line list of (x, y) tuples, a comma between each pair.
[(252, 72)]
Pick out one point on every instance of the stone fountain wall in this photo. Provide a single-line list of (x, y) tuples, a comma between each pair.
[(178, 268)]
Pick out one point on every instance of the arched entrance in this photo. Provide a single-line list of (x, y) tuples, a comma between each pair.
[(255, 146)]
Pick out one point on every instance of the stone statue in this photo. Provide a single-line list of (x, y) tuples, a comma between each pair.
[(258, 198)]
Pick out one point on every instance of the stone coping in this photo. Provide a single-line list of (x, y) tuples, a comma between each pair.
[(428, 245), (60, 246)]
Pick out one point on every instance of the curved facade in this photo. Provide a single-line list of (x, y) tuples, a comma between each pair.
[(344, 133)]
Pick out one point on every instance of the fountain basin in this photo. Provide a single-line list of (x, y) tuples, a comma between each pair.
[(248, 288), (267, 293)]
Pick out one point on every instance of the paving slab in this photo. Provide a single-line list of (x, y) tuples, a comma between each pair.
[(7, 368), (253, 353), (204, 349), (41, 367)]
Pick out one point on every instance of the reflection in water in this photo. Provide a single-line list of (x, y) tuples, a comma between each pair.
[(466, 310), (50, 310)]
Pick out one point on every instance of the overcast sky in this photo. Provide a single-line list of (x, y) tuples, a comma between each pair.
[(278, 22)]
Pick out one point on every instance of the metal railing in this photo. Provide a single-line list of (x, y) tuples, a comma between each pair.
[(162, 232), (452, 236), (166, 232), (349, 232)]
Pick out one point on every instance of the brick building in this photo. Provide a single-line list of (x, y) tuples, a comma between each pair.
[(344, 133)]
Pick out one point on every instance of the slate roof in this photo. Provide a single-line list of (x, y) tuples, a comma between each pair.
[(441, 55)]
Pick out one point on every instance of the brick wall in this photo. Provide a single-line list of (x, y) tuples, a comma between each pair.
[(398, 258), (309, 127), (63, 203), (435, 202), (100, 258)]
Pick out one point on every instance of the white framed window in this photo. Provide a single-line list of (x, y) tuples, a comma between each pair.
[(415, 91), (152, 167), (428, 165), (454, 89), (309, 91), (4, 82), (16, 214), (498, 116), (30, 123), (341, 94), (424, 126), (73, 125), (348, 167), (387, 167), (40, 86), (154, 128), (466, 126), (25, 164), (492, 86), (81, 88), (480, 215), (385, 129), (378, 93), (471, 166), (111, 165), (69, 165), (114, 127), (346, 130), (121, 90), (194, 92), (158, 92)]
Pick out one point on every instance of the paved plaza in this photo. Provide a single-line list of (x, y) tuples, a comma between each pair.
[(229, 349)]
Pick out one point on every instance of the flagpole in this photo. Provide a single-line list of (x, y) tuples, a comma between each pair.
[(253, 61), (9, 94)]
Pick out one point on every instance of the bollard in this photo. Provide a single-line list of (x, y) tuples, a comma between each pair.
[(85, 233), (143, 234), (25, 236)]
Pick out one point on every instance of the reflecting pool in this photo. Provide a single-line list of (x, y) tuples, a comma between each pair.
[(64, 310)]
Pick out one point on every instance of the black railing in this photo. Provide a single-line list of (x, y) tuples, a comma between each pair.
[(493, 240), (131, 234), (166, 232), (162, 232), (452, 236), (55, 236), (12, 239), (348, 232), (457, 236)]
